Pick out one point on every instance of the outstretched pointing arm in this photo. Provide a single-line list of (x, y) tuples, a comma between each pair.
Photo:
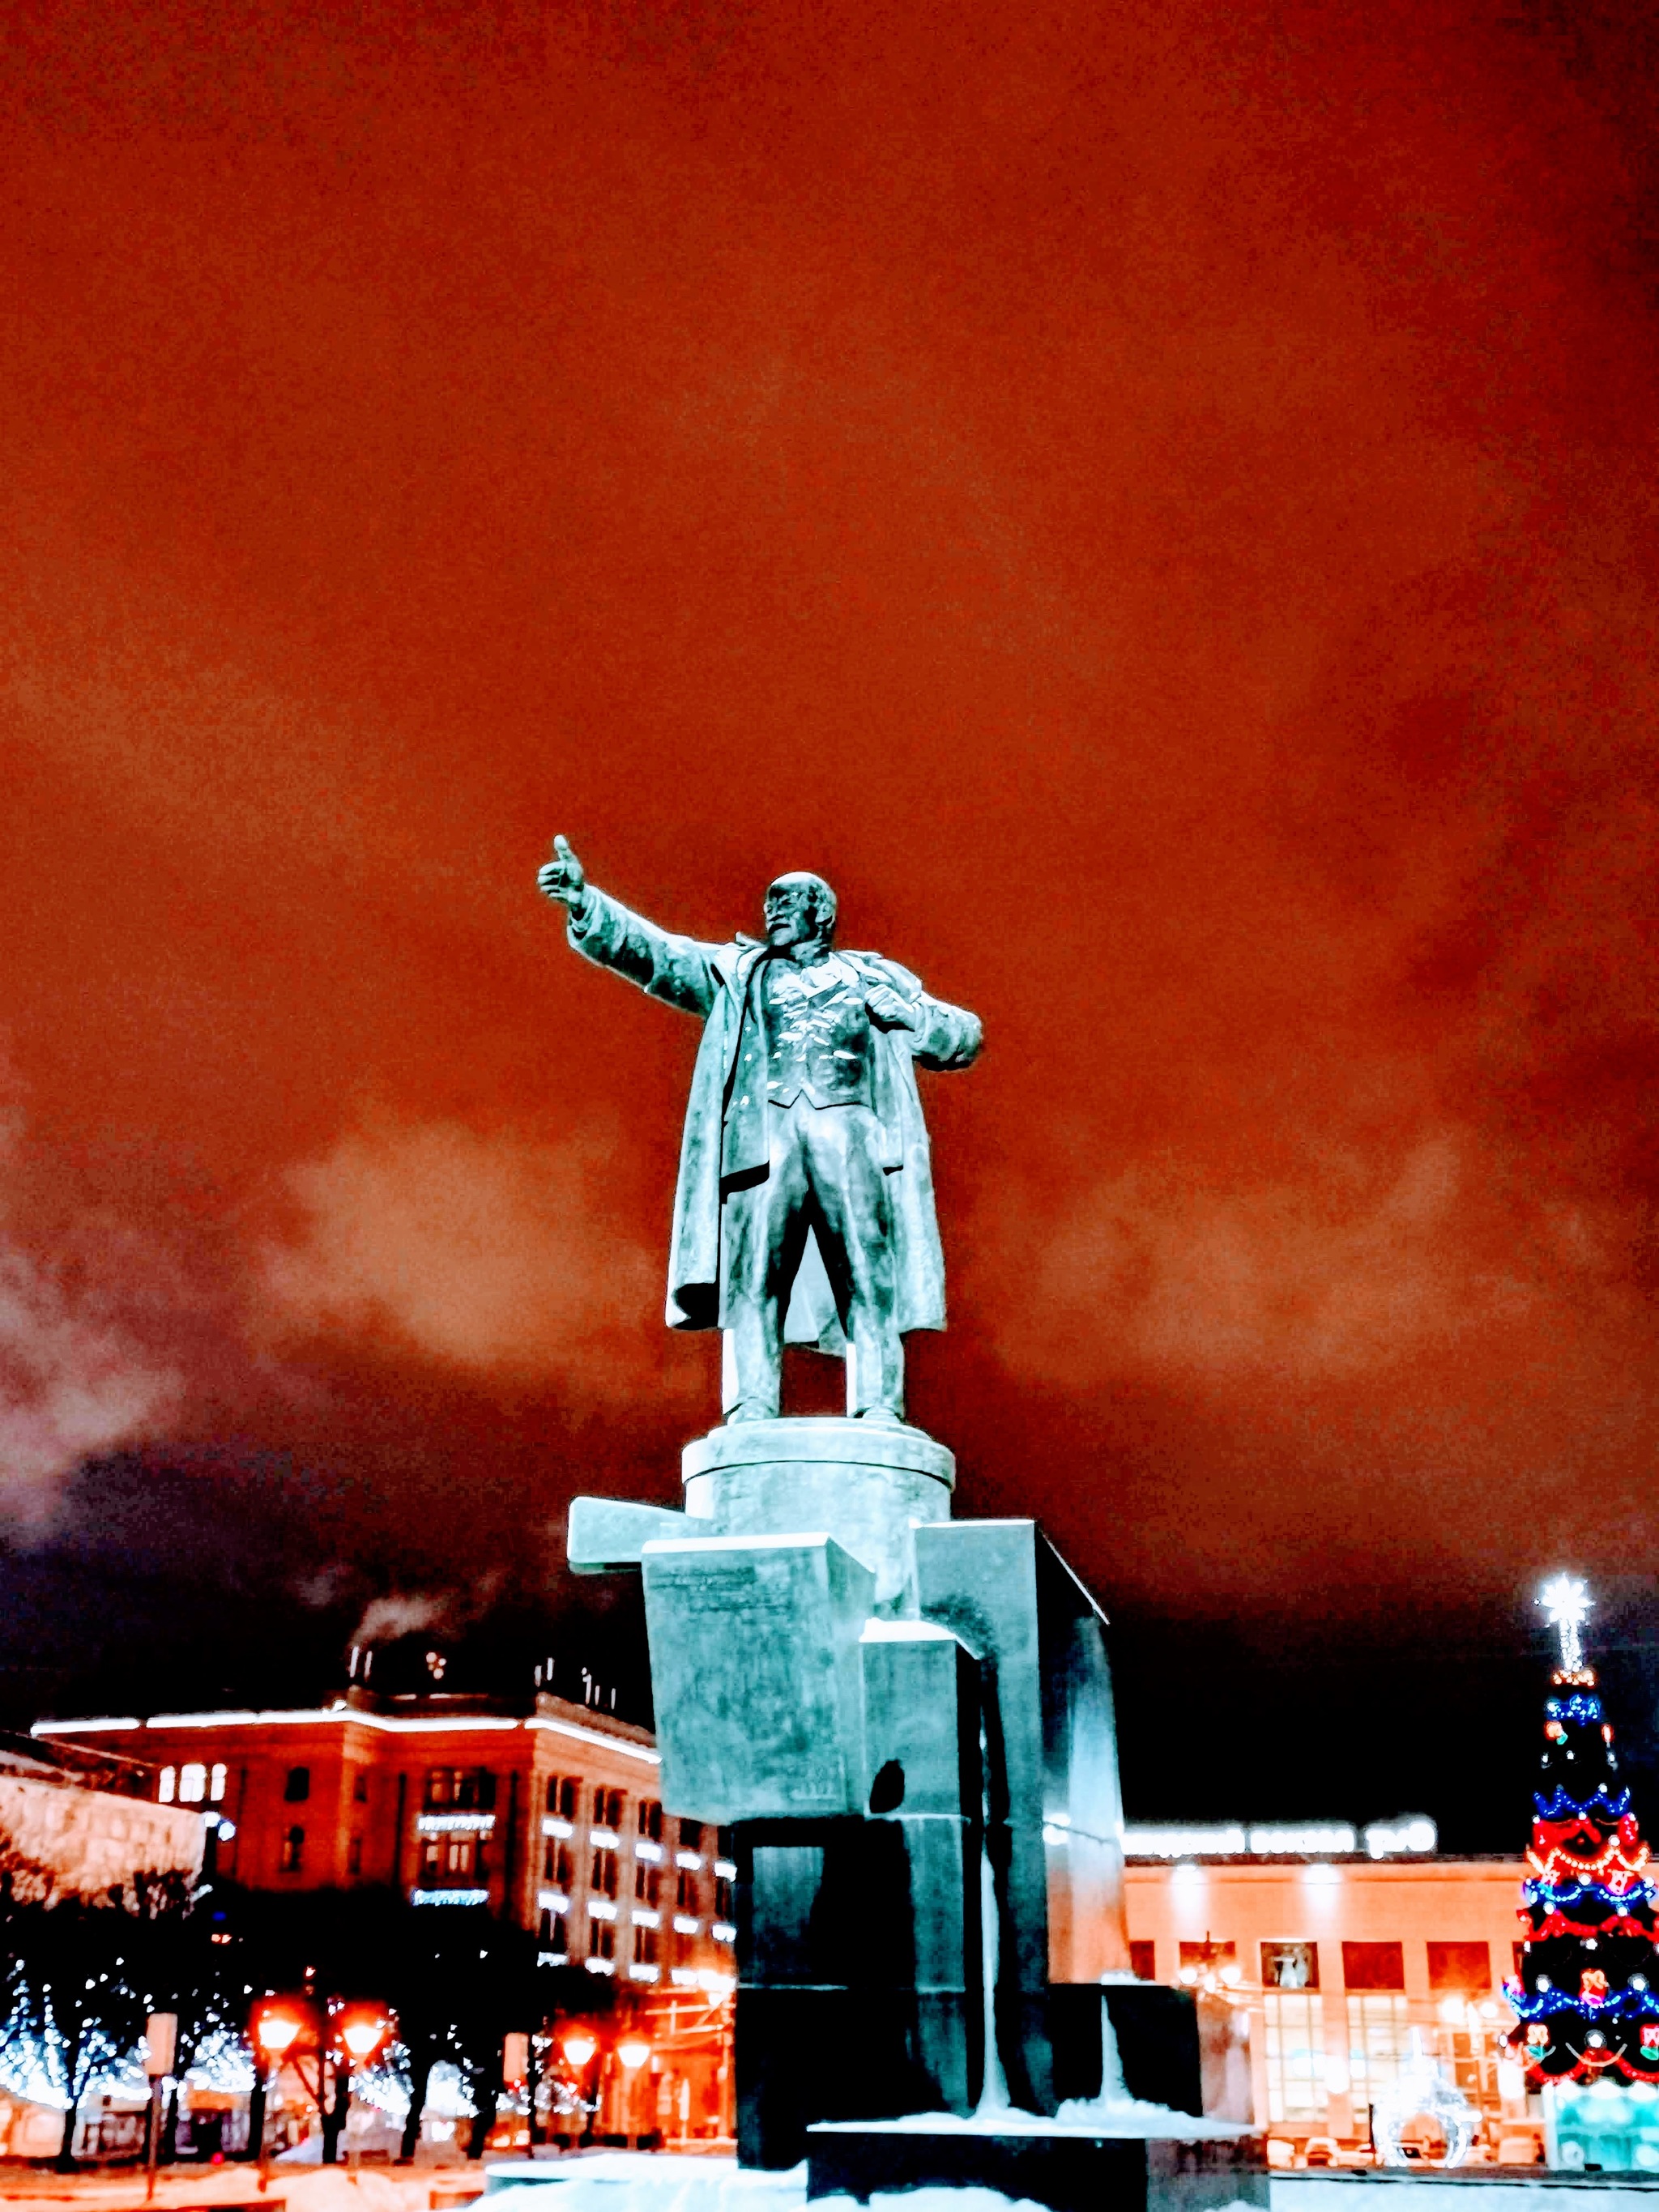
[(675, 968)]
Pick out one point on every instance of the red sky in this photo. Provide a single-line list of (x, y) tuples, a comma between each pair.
[(1155, 503)]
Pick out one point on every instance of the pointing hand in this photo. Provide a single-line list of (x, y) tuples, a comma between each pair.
[(561, 878)]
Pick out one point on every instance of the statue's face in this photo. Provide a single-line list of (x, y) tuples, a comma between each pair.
[(798, 910)]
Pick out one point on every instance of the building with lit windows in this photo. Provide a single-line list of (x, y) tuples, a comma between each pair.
[(547, 1813), (1339, 1947)]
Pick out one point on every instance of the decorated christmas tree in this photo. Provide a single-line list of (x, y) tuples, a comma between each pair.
[(1587, 1998)]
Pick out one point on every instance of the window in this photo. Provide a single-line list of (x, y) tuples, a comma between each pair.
[(608, 1808), (601, 1875), (1460, 1969), (167, 1788), (1471, 2050), (725, 1842), (645, 1947), (297, 1788), (602, 1939), (294, 1850), (647, 1883), (1378, 2038), (650, 1819), (1290, 1966), (1374, 1965), (562, 1797), (360, 1786), (1521, 1950), (192, 1784), (1143, 1959), (1296, 2055), (217, 1785), (559, 1866), (460, 1790), (555, 1934), (690, 1835), (722, 1898), (685, 1891), (355, 1856), (455, 1857)]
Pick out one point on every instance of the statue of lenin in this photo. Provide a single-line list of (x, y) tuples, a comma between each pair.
[(804, 1210)]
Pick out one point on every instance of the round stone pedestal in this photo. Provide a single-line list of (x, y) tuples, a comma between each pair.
[(861, 1482)]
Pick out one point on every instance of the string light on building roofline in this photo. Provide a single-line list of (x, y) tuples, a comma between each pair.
[(1567, 1603)]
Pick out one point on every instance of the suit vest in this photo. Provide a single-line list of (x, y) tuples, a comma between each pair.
[(818, 1033)]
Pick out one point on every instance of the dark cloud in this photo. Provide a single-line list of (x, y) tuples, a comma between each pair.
[(1155, 506)]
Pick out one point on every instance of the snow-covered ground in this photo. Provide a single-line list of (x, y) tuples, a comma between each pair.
[(637, 2181)]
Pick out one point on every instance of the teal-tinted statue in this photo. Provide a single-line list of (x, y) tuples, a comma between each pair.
[(804, 1210)]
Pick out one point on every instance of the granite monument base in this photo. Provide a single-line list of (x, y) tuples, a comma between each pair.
[(905, 1724)]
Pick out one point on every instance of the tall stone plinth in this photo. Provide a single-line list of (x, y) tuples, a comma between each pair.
[(907, 1721), (862, 1482)]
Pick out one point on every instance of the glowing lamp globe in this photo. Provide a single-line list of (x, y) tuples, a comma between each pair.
[(362, 2037), (276, 2031), (579, 2049), (633, 2053)]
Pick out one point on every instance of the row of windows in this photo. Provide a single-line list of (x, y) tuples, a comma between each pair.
[(608, 1809), (646, 1942), (559, 1863), (1302, 2075), (464, 1790), (451, 1788), (194, 1784), (460, 1859), (1455, 1969)]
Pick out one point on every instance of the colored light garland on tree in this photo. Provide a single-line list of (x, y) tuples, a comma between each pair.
[(1585, 1998)]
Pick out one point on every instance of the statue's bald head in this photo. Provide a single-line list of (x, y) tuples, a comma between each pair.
[(800, 910)]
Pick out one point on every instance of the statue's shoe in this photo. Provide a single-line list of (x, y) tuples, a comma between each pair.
[(883, 1416)]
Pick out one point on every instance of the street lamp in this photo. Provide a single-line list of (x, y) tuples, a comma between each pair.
[(362, 2035), (580, 2049), (354, 2035), (160, 2048), (632, 2053), (275, 2032)]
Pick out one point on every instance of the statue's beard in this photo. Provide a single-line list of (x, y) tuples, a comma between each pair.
[(797, 948)]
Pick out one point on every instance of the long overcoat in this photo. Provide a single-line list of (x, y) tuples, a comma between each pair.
[(724, 1145)]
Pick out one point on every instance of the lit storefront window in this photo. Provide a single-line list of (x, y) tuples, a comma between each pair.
[(1379, 2041), (1296, 2055)]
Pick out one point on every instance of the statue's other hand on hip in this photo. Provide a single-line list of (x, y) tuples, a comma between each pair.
[(561, 878), (888, 1010)]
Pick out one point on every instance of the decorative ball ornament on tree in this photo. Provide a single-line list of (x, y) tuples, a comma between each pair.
[(1585, 2000)]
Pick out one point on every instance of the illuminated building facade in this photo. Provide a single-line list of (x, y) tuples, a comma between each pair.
[(1339, 1945), (549, 1816)]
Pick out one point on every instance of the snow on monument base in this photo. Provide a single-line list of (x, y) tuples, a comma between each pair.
[(1067, 2168)]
